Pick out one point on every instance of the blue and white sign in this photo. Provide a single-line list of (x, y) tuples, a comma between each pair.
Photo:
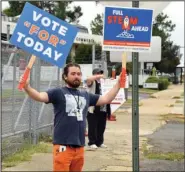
[(150, 85), (127, 29), (44, 35)]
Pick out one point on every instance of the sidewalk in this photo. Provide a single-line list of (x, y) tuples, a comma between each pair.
[(118, 136)]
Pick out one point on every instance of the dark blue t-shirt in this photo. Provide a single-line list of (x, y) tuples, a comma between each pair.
[(68, 125)]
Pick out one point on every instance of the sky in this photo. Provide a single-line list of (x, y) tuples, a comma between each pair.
[(175, 11)]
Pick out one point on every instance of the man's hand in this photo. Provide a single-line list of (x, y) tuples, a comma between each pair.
[(26, 83)]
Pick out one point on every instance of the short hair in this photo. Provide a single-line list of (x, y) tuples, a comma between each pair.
[(66, 69), (97, 71)]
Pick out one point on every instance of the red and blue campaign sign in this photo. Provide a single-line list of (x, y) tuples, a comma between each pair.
[(127, 29), (44, 35)]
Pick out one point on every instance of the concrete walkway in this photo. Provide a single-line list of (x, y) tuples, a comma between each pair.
[(118, 136)]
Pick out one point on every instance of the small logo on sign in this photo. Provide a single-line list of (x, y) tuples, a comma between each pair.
[(125, 34)]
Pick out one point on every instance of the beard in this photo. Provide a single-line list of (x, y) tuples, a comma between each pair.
[(73, 84)]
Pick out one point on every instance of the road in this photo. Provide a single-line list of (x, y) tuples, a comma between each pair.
[(168, 138)]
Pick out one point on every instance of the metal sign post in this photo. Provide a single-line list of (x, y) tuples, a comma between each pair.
[(127, 37), (135, 107)]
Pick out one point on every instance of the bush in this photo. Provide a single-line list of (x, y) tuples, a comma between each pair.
[(163, 83), (152, 79), (165, 77)]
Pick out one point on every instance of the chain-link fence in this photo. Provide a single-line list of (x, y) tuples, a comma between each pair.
[(24, 120)]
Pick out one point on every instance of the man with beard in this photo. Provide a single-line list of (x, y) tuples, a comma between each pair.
[(70, 109)]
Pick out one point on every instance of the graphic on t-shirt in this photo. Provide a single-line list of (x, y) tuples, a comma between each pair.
[(71, 104)]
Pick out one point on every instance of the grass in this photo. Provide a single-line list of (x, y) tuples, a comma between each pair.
[(145, 90), (173, 117), (45, 138), (171, 105), (153, 96), (176, 97), (140, 104), (25, 154), (9, 92), (129, 101), (171, 156), (179, 101)]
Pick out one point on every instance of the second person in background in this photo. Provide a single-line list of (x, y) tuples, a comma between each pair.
[(97, 115)]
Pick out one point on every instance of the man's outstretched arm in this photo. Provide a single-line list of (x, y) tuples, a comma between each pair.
[(34, 94), (92, 78)]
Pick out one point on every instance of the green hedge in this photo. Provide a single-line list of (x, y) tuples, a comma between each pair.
[(152, 79), (163, 82), (165, 77)]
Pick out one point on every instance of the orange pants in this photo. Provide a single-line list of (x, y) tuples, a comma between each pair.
[(68, 159)]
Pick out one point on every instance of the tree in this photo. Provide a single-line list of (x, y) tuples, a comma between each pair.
[(163, 27), (97, 25), (59, 9), (16, 7), (83, 54), (62, 11)]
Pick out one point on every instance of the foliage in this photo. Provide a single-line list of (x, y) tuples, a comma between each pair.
[(83, 54), (97, 25), (163, 84), (163, 27), (167, 65), (59, 9), (62, 11), (152, 79), (165, 77), (16, 7), (25, 154)]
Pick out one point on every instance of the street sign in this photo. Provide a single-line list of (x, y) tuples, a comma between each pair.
[(127, 29), (150, 85), (44, 35)]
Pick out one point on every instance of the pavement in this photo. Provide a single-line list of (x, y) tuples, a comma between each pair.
[(118, 135)]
